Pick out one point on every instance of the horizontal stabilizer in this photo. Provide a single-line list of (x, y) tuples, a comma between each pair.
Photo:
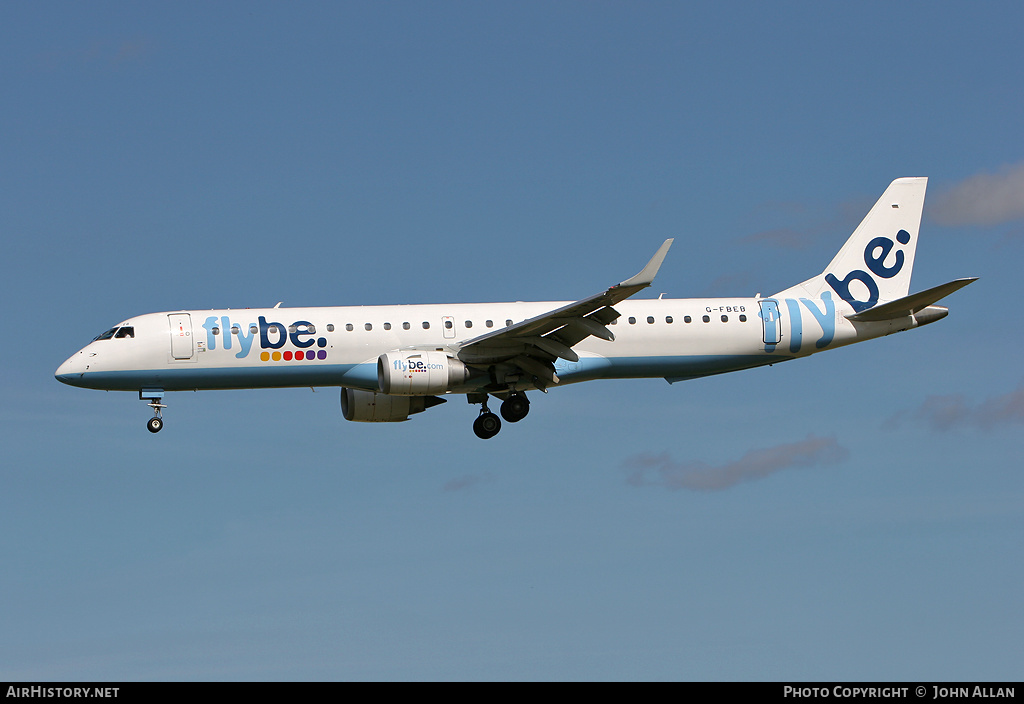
[(909, 305)]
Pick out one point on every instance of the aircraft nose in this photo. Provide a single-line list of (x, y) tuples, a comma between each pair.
[(71, 371)]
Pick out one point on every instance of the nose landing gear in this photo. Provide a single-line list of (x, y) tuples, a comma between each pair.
[(154, 396)]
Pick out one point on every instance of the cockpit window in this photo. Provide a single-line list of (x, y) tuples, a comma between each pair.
[(123, 331), (105, 336)]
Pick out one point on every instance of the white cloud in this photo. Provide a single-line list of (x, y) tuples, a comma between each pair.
[(943, 413), (982, 199), (661, 470)]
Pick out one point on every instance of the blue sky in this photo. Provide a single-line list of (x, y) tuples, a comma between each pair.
[(160, 157)]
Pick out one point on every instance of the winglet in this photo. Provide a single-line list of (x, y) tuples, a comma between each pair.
[(645, 277)]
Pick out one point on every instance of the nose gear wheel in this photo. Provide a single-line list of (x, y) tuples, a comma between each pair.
[(156, 423)]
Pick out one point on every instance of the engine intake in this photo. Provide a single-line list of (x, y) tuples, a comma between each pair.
[(416, 373)]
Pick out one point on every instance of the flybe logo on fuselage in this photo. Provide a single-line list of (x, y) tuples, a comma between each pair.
[(875, 255), (272, 336)]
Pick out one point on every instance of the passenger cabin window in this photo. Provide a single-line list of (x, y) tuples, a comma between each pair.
[(406, 326), (469, 323), (216, 331), (687, 319), (489, 323), (508, 323), (387, 326), (743, 318), (706, 319), (632, 320), (330, 328), (668, 319), (650, 320), (255, 328), (368, 327), (126, 331), (448, 325), (349, 327), (426, 325), (725, 318)]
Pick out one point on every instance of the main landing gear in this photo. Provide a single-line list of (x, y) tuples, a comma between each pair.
[(513, 409), (486, 425), (154, 396)]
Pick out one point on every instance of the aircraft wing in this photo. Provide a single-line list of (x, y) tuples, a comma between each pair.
[(533, 345)]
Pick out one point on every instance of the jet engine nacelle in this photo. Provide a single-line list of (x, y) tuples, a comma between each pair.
[(419, 373), (372, 407)]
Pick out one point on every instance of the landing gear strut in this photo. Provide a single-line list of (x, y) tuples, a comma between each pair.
[(487, 424), (154, 396)]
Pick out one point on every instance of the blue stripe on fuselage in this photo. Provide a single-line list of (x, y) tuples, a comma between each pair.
[(672, 367), (364, 376), (191, 378)]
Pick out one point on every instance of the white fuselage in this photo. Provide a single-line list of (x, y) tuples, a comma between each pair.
[(339, 346)]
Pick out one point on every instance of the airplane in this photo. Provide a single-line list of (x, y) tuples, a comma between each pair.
[(395, 361)]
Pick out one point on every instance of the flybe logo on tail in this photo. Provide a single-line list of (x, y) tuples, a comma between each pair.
[(875, 255)]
